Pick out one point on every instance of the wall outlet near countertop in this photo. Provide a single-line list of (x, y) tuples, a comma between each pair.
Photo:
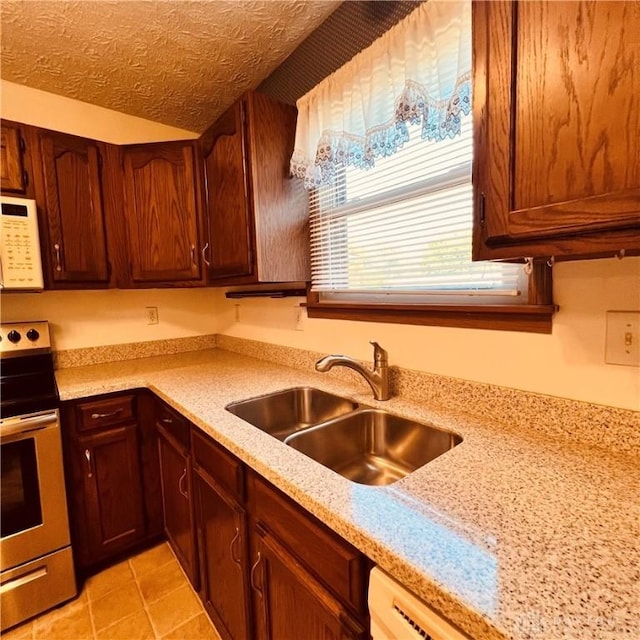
[(152, 315), (622, 343)]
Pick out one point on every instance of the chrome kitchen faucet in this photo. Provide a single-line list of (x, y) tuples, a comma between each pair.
[(378, 378)]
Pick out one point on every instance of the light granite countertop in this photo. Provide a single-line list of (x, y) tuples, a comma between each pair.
[(508, 535)]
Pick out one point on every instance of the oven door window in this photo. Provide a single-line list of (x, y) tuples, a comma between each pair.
[(21, 508)]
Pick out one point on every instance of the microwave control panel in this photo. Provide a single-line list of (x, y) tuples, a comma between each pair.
[(20, 262)]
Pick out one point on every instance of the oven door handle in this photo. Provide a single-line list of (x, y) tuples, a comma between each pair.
[(16, 426)]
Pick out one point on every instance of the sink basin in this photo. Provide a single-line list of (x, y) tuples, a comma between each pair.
[(373, 447), (285, 412)]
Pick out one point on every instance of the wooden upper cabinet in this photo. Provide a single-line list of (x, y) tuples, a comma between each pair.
[(557, 146), (161, 213), (14, 177), (69, 190), (228, 203), (257, 215)]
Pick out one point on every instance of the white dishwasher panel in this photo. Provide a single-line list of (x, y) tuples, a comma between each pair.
[(396, 614)]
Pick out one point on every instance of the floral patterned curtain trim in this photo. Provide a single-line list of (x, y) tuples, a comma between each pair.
[(418, 73), (339, 149)]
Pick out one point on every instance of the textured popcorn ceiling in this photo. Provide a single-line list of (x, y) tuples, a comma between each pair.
[(176, 62)]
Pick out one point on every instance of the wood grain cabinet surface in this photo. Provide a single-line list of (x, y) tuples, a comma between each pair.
[(104, 480), (14, 178), (557, 148), (256, 213), (162, 213), (69, 189), (177, 500), (222, 531), (307, 582)]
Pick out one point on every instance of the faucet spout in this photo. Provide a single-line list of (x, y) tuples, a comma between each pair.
[(378, 378)]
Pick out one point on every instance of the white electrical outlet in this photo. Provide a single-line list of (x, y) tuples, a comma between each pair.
[(152, 315), (622, 344)]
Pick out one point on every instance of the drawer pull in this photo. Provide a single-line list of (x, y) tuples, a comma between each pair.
[(204, 254), (235, 539), (166, 420), (111, 414), (182, 491), (87, 455), (56, 246), (252, 576)]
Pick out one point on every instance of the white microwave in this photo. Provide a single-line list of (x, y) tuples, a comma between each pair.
[(20, 260)]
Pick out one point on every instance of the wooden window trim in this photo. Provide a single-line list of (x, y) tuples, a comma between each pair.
[(533, 317)]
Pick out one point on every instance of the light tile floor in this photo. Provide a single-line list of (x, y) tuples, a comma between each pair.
[(144, 598)]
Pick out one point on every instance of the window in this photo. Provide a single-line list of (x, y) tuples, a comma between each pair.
[(391, 204), (401, 231)]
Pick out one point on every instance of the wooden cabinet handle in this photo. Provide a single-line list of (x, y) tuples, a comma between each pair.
[(180, 489), (112, 414), (166, 421), (252, 576), (235, 539), (193, 255), (87, 455), (204, 255), (56, 246)]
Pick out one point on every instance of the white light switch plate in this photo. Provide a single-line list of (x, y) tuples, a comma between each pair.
[(622, 345)]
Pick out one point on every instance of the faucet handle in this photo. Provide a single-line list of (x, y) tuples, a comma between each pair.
[(380, 355)]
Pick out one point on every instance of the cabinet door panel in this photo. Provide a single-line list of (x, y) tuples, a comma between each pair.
[(13, 178), (112, 490), (74, 211), (161, 212), (289, 603), (175, 471), (228, 203), (222, 544), (557, 123)]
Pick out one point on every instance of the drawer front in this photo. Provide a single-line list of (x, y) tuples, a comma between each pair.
[(223, 467), (106, 412), (175, 424), (333, 560)]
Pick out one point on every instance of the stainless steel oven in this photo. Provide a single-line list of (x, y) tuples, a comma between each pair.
[(36, 563)]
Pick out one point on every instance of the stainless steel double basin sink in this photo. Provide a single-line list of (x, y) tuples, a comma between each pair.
[(366, 445)]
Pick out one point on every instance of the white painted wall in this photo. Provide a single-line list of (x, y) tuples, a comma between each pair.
[(51, 111), (114, 316), (568, 363)]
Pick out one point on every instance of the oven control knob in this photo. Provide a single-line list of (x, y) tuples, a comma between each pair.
[(33, 334), (14, 336)]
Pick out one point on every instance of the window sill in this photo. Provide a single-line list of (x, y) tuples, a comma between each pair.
[(529, 318)]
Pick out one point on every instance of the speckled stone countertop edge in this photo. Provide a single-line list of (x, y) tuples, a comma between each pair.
[(85, 356), (158, 374)]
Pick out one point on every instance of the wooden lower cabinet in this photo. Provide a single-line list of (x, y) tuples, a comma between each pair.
[(175, 476), (289, 602), (222, 545), (265, 568), (104, 478), (113, 491)]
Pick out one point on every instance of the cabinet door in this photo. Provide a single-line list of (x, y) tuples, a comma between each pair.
[(161, 212), (73, 207), (222, 545), (109, 465), (289, 602), (175, 473), (11, 165), (558, 128), (228, 201)]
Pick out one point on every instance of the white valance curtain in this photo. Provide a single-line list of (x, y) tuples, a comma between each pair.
[(418, 72)]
